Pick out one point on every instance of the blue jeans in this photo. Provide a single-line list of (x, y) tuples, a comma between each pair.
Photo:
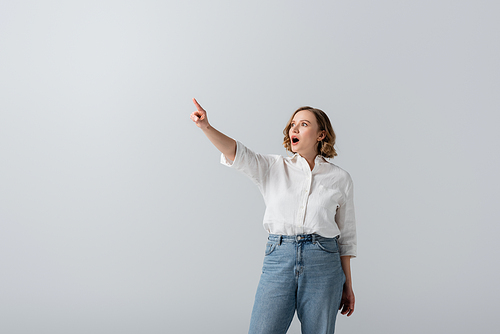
[(301, 273)]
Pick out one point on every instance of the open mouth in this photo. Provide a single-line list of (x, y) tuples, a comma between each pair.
[(295, 140)]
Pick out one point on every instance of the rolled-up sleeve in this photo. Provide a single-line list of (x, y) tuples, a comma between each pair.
[(346, 222), (254, 165)]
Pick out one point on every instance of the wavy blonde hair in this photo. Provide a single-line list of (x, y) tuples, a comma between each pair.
[(325, 146)]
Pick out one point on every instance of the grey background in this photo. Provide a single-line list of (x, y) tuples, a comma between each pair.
[(116, 216)]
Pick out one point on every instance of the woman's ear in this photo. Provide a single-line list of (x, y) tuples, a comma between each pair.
[(322, 135)]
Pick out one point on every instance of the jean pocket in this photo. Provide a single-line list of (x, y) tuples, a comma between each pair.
[(270, 247), (328, 245)]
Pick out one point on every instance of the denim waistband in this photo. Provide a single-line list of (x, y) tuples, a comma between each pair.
[(296, 238)]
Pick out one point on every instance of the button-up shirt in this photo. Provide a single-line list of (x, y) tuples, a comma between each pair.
[(300, 200)]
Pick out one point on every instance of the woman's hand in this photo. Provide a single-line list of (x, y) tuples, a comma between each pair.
[(223, 143), (347, 302), (200, 116)]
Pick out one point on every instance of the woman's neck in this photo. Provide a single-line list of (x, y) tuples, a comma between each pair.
[(310, 157)]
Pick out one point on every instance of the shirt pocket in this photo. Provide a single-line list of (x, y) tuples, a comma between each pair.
[(328, 198)]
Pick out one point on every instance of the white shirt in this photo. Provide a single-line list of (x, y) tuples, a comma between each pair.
[(301, 201)]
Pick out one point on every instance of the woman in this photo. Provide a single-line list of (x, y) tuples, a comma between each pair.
[(310, 219)]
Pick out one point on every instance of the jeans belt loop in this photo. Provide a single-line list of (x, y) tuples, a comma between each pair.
[(314, 238), (279, 241)]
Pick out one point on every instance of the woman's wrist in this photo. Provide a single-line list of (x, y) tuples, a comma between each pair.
[(205, 127)]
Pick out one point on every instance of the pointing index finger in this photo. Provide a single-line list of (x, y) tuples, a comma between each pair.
[(197, 104)]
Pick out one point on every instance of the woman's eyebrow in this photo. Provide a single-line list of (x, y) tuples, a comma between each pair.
[(302, 120)]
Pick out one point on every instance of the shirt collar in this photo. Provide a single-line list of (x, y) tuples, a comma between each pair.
[(318, 160)]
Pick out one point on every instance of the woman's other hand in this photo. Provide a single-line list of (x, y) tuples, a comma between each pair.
[(347, 302), (199, 116)]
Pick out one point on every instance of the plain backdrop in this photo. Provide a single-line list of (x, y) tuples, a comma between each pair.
[(117, 217)]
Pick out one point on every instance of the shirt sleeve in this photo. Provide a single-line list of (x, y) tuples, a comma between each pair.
[(346, 222), (254, 165)]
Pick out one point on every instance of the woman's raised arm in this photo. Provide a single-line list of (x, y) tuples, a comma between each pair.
[(225, 144)]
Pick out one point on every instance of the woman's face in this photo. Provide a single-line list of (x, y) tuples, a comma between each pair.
[(304, 133)]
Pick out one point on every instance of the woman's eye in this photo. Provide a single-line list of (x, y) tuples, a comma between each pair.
[(304, 124)]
